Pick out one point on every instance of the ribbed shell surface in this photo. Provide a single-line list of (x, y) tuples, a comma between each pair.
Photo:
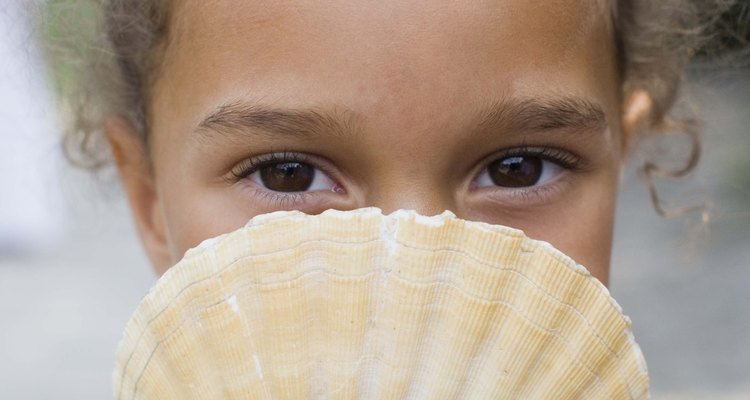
[(360, 305)]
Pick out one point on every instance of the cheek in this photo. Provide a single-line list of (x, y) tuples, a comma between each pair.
[(584, 232), (580, 224), (194, 214)]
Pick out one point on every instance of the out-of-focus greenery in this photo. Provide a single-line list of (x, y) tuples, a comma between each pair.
[(71, 37)]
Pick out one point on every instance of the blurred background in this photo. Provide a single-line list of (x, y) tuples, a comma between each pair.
[(72, 270)]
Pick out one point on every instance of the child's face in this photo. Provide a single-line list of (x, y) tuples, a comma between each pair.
[(503, 111)]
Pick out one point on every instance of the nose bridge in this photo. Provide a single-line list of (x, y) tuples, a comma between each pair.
[(410, 154), (424, 196)]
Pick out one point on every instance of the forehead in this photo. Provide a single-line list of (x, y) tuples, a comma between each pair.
[(333, 21), (382, 58)]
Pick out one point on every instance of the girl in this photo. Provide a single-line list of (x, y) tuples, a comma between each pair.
[(510, 112)]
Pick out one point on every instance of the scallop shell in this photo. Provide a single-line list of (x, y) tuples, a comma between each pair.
[(356, 304)]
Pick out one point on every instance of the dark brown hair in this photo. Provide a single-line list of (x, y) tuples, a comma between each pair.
[(655, 40)]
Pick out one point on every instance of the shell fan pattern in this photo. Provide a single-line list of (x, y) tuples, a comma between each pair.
[(361, 305)]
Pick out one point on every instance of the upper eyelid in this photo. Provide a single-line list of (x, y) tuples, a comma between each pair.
[(284, 156), (251, 164), (565, 158)]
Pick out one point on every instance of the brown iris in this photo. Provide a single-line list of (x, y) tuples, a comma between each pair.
[(515, 171), (287, 176)]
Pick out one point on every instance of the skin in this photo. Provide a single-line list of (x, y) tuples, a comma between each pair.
[(417, 99)]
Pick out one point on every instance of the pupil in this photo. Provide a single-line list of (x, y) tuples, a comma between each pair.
[(516, 171), (287, 177)]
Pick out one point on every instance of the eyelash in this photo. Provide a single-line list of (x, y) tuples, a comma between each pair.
[(563, 158), (252, 165)]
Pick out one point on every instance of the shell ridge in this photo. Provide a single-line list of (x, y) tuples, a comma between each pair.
[(558, 320), (554, 334), (535, 362), (590, 279), (642, 368), (180, 275), (377, 327), (395, 276), (177, 328), (274, 216), (164, 339), (604, 363), (204, 246), (576, 354), (388, 231), (479, 356), (230, 295), (446, 249), (178, 269), (413, 390), (529, 379), (144, 331), (602, 321)]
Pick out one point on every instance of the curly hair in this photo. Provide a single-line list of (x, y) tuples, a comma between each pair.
[(655, 40)]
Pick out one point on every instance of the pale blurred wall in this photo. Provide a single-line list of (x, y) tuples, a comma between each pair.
[(31, 210)]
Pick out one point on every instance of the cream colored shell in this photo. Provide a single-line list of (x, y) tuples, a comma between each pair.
[(358, 305)]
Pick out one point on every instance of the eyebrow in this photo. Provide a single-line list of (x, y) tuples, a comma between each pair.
[(234, 117), (565, 113), (526, 115)]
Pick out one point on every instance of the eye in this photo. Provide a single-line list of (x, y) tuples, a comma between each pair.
[(291, 177), (519, 171), (285, 173)]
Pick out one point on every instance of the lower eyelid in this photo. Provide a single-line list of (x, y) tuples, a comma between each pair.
[(526, 196), (280, 199), (284, 199), (525, 199)]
